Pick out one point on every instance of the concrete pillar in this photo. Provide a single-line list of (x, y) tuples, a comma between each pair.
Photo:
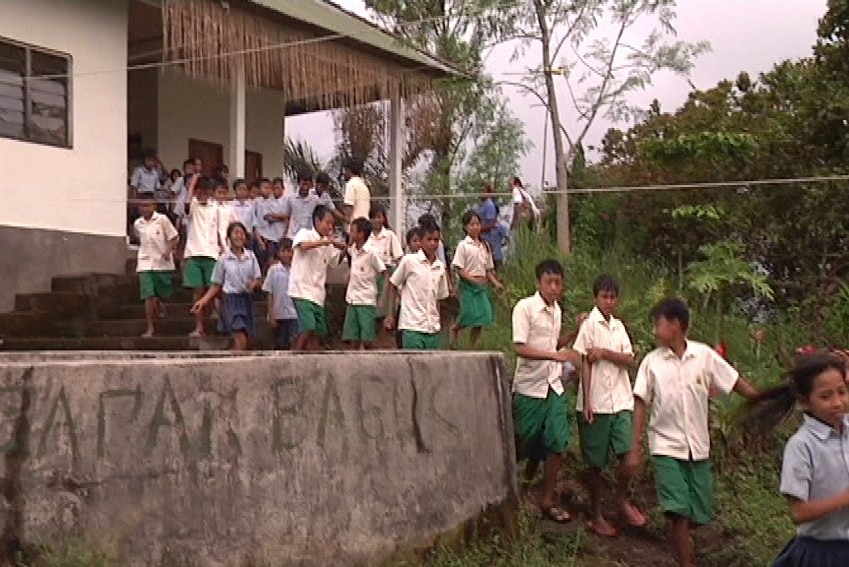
[(396, 153), (236, 157)]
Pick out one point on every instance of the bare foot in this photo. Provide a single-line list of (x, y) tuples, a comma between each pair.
[(148, 334), (632, 515), (196, 334), (602, 527)]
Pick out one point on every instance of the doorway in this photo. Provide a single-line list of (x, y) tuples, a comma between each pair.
[(253, 165), (211, 154)]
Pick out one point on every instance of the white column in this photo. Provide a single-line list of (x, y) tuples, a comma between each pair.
[(236, 157), (396, 153)]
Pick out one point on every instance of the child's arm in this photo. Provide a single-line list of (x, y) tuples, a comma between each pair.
[(210, 294), (312, 245), (493, 279), (643, 393), (392, 293), (624, 359), (745, 388), (190, 194), (802, 512), (570, 339)]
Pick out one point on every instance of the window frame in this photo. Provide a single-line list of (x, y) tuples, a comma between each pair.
[(69, 90)]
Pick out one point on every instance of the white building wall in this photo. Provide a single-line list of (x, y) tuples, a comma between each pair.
[(81, 189), (192, 108)]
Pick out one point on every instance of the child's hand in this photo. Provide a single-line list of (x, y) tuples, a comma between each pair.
[(633, 463), (167, 256), (582, 317), (567, 355), (588, 412), (596, 354), (197, 307), (499, 286), (262, 245), (256, 285), (389, 322), (273, 322)]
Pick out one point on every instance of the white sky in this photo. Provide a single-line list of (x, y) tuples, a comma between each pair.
[(745, 35)]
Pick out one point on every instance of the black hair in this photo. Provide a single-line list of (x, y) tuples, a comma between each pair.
[(427, 219), (412, 233), (149, 154), (672, 310), (239, 181), (319, 213), (204, 184), (605, 282), (354, 165), (363, 225), (189, 161), (377, 210), (219, 170), (517, 181), (322, 178), (550, 267), (233, 226), (771, 407), (218, 182), (277, 180), (175, 173), (468, 216), (254, 183), (430, 228), (305, 175), (286, 244), (262, 180)]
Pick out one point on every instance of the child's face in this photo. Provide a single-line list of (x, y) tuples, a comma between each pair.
[(203, 195), (285, 256), (550, 287), (146, 209), (242, 192), (473, 229), (189, 168), (277, 190), (357, 235), (430, 243), (238, 237), (415, 244), (222, 194), (324, 226), (265, 190), (607, 301), (198, 166), (376, 223), (321, 188), (150, 163), (304, 187), (828, 400), (666, 331), (254, 191)]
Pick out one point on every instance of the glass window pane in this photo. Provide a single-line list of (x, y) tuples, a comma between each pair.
[(48, 98), (12, 71)]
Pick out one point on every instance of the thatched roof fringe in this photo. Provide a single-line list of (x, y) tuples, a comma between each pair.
[(205, 34)]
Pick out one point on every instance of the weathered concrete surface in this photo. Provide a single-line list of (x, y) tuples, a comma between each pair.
[(333, 458)]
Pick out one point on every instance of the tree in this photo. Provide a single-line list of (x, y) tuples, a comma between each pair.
[(565, 32), (300, 156)]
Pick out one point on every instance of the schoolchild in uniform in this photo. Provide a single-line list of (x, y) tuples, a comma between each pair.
[(157, 241), (360, 328), (281, 310)]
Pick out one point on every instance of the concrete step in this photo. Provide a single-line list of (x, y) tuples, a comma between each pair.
[(64, 303), (24, 323), (115, 343), (89, 283), (178, 326), (179, 310)]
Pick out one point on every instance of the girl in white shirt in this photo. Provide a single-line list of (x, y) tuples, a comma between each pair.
[(386, 243)]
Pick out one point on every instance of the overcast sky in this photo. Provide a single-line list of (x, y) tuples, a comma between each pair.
[(745, 35)]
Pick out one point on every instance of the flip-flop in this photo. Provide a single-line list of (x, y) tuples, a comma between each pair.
[(556, 514)]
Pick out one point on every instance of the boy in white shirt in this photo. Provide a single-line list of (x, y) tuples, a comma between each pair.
[(359, 328), (606, 402), (226, 212), (157, 241), (540, 414), (357, 199), (244, 205), (314, 251), (423, 282), (675, 379), (203, 244)]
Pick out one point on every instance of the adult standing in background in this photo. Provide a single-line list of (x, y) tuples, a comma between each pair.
[(524, 208), (357, 199), (491, 232)]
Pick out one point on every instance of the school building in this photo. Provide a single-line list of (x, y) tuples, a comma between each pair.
[(86, 85)]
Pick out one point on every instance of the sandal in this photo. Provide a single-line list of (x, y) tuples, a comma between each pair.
[(556, 514)]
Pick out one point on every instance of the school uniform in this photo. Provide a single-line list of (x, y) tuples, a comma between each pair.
[(267, 231), (154, 270), (245, 213), (358, 197), (540, 415), (326, 200), (307, 279), (226, 216), (282, 308), (474, 257), (202, 244), (389, 248), (146, 181), (299, 210), (815, 467), (678, 391), (422, 283), (235, 274), (611, 397), (362, 294)]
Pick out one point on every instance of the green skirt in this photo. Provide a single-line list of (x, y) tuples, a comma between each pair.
[(475, 305)]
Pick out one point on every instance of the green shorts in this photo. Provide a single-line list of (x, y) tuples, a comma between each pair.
[(311, 317), (541, 424), (360, 324), (416, 340), (684, 488), (199, 272), (155, 283), (609, 432)]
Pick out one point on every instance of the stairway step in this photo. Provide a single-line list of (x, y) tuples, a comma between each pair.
[(89, 283), (116, 343), (179, 310), (54, 302), (24, 323), (176, 326)]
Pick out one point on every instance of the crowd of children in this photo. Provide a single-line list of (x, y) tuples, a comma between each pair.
[(293, 241)]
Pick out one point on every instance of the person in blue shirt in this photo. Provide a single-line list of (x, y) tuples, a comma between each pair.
[(491, 231)]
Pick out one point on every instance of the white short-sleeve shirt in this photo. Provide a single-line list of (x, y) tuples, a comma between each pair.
[(366, 265), (611, 385), (309, 267), (678, 391), (422, 285), (358, 196), (537, 325), (202, 239), (226, 216), (387, 245), (154, 237), (473, 256)]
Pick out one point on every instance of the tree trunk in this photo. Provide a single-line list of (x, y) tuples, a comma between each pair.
[(564, 240)]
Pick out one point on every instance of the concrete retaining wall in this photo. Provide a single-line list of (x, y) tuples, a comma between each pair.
[(292, 459)]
